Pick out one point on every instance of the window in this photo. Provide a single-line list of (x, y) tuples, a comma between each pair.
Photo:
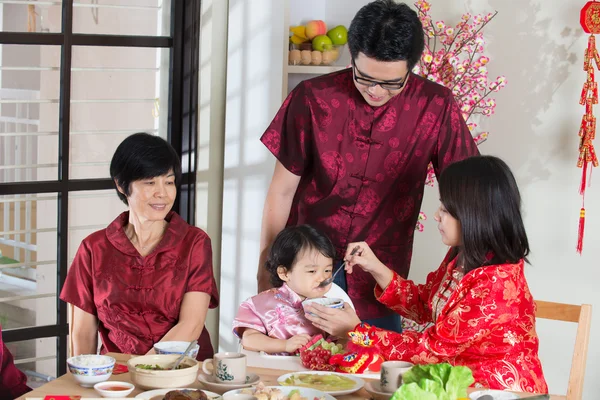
[(76, 78)]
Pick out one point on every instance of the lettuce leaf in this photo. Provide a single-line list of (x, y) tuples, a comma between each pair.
[(435, 382)]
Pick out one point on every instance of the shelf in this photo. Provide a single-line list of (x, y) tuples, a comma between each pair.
[(314, 69)]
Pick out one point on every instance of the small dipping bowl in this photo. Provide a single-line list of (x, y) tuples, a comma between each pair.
[(114, 389)]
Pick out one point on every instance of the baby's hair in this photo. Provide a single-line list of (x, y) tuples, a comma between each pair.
[(482, 194), (290, 243)]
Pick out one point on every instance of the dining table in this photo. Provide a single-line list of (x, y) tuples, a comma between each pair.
[(67, 386)]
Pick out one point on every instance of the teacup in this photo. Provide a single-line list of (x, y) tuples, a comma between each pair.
[(227, 367), (391, 374)]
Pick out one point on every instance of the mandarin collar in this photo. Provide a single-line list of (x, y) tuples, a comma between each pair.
[(290, 296), (176, 230)]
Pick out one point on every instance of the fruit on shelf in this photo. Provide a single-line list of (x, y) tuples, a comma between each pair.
[(298, 34), (315, 28), (319, 42), (338, 35), (330, 54)]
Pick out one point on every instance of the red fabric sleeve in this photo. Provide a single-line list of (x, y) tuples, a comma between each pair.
[(79, 287), (289, 134), (201, 277), (462, 324), (454, 139), (409, 299), (13, 383)]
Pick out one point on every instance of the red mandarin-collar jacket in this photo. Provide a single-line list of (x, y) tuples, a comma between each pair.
[(488, 325)]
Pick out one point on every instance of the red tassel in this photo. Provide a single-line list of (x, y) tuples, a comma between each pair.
[(581, 229), (583, 179)]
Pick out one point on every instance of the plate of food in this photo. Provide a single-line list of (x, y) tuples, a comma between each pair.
[(179, 394), (333, 383), (262, 392)]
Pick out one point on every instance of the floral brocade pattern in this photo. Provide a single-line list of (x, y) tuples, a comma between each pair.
[(486, 324), (363, 168)]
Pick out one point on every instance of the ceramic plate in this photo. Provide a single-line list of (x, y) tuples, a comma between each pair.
[(358, 383), (150, 394), (304, 392), (219, 387), (496, 394), (374, 389)]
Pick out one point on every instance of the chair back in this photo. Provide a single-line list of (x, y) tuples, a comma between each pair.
[(582, 316)]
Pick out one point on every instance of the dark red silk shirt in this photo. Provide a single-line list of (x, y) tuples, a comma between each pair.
[(137, 299), (363, 168), (13, 383)]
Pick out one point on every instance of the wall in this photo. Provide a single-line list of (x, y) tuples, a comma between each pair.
[(538, 45)]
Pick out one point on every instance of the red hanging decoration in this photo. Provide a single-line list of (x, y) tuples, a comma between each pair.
[(590, 22)]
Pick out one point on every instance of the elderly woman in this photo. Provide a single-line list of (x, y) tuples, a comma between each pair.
[(148, 276)]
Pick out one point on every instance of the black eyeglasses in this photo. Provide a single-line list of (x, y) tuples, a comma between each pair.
[(386, 85)]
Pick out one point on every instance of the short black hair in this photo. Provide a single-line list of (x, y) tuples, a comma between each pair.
[(291, 242), (142, 156), (387, 31), (482, 194)]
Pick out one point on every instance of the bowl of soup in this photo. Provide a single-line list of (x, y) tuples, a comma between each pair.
[(324, 301), (154, 371), (175, 347), (114, 389)]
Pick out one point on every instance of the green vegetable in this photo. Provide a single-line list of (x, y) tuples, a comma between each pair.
[(434, 382)]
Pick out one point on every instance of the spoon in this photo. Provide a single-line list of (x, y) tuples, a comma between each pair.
[(329, 280), (180, 359)]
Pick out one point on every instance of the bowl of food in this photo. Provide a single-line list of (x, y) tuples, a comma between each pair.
[(324, 301), (175, 347), (89, 369), (154, 371), (114, 389)]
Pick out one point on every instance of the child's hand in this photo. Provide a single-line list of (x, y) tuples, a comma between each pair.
[(295, 342), (363, 258)]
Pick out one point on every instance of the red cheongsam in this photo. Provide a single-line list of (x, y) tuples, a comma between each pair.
[(363, 168), (487, 324), (137, 299), (13, 383)]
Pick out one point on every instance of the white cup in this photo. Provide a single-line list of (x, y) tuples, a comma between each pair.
[(391, 374), (227, 367)]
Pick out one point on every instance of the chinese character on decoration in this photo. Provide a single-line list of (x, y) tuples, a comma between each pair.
[(453, 57), (590, 22)]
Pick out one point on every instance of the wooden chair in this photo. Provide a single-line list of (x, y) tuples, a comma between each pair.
[(582, 315)]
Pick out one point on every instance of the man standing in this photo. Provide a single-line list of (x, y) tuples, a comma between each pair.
[(352, 150)]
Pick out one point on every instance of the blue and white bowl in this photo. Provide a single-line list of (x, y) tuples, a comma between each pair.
[(89, 369), (175, 347)]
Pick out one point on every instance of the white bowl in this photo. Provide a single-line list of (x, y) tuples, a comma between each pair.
[(162, 379), (114, 389), (324, 301), (175, 347), (89, 369)]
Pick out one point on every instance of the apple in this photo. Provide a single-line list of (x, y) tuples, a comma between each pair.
[(320, 42), (338, 35), (315, 28)]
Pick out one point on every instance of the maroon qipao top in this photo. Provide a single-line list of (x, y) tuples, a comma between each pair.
[(363, 168), (137, 299)]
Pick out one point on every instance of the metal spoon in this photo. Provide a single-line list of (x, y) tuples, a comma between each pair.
[(329, 280), (180, 359)]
